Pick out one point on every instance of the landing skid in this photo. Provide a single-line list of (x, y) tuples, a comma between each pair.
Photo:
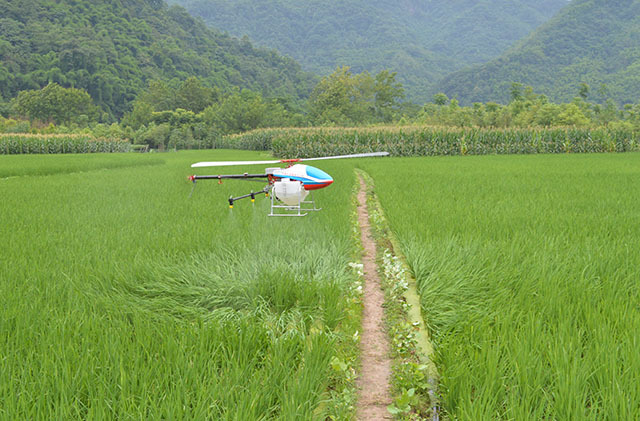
[(296, 210), (311, 202)]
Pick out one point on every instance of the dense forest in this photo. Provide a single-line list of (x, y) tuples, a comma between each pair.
[(592, 43), (420, 40), (113, 49)]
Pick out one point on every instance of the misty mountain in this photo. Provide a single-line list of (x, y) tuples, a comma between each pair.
[(596, 42), (421, 40)]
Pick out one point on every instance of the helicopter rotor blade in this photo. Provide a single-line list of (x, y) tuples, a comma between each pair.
[(230, 163), (356, 155), (280, 161)]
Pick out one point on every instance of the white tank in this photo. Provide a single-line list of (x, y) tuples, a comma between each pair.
[(289, 192)]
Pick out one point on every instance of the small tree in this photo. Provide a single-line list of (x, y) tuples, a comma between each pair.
[(331, 100), (159, 95), (583, 91), (440, 99), (56, 104), (194, 96), (516, 92), (344, 98), (238, 112), (571, 115), (388, 94)]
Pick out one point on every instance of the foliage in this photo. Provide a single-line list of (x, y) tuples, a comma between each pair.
[(5, 108), (56, 104), (63, 143), (588, 44), (420, 40), (246, 110), (346, 99), (10, 125), (364, 99), (160, 95), (159, 121), (113, 49), (528, 109)]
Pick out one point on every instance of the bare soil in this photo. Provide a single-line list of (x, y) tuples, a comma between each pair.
[(373, 383)]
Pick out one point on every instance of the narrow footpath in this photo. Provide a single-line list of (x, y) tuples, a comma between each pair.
[(375, 371)]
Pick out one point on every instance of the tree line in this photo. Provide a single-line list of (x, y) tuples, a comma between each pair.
[(187, 113)]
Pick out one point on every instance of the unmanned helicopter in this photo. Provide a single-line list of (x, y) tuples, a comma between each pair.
[(287, 187)]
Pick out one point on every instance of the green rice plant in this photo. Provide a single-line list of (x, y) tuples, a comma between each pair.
[(59, 143), (25, 165), (527, 271), (125, 298)]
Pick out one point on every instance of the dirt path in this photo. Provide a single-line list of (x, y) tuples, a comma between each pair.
[(373, 384)]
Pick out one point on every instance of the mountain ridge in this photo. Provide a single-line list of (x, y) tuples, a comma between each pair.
[(112, 49), (420, 40), (590, 42)]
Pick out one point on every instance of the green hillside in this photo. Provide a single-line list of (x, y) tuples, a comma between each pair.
[(113, 48), (421, 40), (595, 42)]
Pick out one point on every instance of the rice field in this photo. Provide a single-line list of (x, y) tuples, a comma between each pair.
[(527, 268), (124, 298)]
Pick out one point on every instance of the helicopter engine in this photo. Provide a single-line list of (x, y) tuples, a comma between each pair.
[(290, 192)]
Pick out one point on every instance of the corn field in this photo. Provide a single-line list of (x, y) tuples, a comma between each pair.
[(11, 144), (432, 141), (256, 140)]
